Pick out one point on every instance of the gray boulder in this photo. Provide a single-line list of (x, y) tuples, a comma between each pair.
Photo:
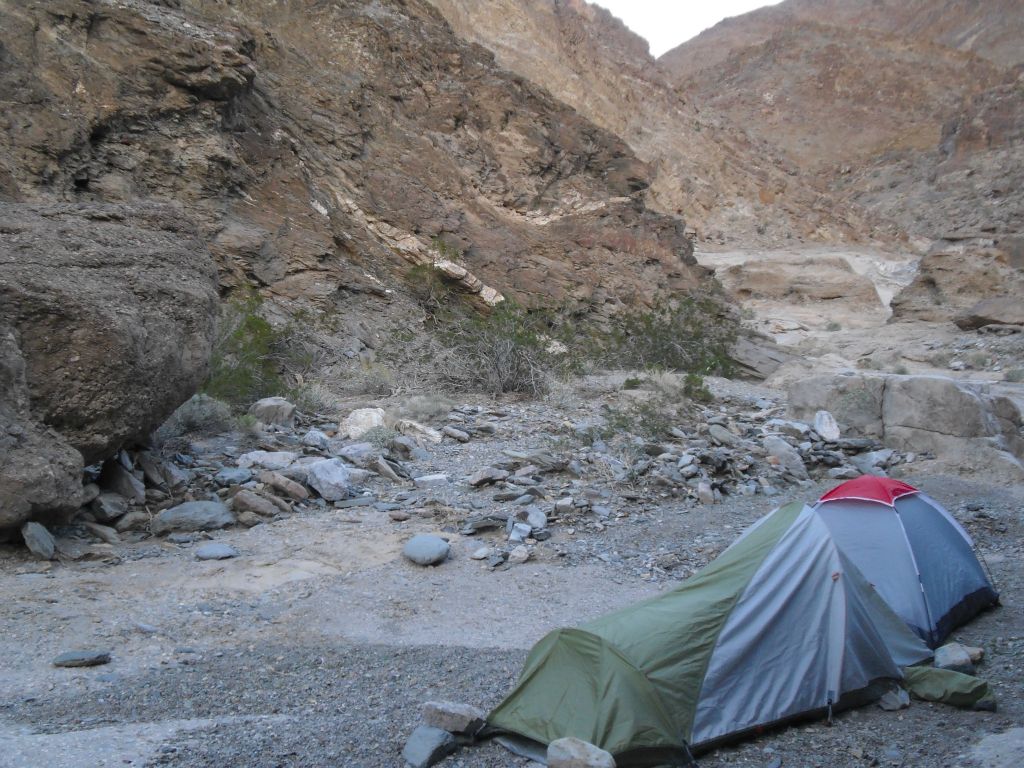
[(426, 549), (452, 716), (788, 456), (273, 410), (193, 516), (331, 478), (427, 746), (128, 301), (215, 550)]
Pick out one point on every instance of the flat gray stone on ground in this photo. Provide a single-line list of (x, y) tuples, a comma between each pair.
[(426, 549), (431, 481), (82, 659), (38, 540), (453, 716), (826, 426), (193, 516), (955, 657), (1000, 750), (576, 753), (233, 476), (215, 550), (428, 745), (108, 506)]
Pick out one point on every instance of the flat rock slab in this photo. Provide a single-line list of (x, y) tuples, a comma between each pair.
[(427, 746), (216, 550), (193, 516), (82, 659), (576, 753), (38, 540), (453, 716), (426, 549), (1000, 750)]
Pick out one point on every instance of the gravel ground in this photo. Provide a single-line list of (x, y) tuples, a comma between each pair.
[(317, 646)]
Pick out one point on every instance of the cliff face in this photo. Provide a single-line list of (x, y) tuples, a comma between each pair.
[(321, 148), (901, 109), (726, 182)]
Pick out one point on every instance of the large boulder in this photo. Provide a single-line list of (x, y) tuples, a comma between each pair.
[(959, 421), (107, 316)]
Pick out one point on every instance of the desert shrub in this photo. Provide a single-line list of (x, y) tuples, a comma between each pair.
[(833, 326), (499, 352), (900, 370), (379, 437), (199, 415), (245, 363), (1014, 375), (424, 407), (690, 335)]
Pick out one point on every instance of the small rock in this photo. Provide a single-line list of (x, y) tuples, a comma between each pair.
[(955, 657), (316, 439), (82, 659), (253, 502), (114, 477), (38, 540), (487, 476), (360, 421), (453, 717), (215, 550), (103, 532), (787, 456), (427, 745), (418, 432), (267, 459), (284, 484), (704, 493), (431, 481), (723, 436), (894, 700), (456, 434), (132, 521), (383, 468), (518, 555), (331, 478), (193, 516), (273, 410), (232, 476), (108, 506), (844, 473), (89, 492), (826, 426), (976, 654), (399, 515), (565, 505), (519, 532), (481, 554), (426, 549), (576, 753), (249, 519)]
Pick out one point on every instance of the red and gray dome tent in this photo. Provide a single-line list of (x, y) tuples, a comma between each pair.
[(917, 556)]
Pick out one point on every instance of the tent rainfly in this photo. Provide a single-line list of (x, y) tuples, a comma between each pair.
[(780, 625), (913, 551)]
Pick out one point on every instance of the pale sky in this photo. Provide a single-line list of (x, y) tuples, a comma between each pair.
[(667, 23)]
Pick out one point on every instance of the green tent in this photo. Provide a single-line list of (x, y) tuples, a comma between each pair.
[(780, 625)]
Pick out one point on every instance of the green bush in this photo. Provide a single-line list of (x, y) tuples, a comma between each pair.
[(244, 365), (1014, 375), (689, 335)]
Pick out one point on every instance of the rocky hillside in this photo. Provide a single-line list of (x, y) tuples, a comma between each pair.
[(730, 184), (317, 152), (322, 148), (905, 110)]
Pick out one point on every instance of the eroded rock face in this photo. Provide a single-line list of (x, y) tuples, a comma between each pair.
[(40, 474), (973, 282), (323, 149), (106, 320)]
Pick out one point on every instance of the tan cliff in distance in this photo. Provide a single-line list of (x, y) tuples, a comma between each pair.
[(908, 110)]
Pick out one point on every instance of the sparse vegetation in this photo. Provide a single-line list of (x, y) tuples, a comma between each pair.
[(833, 326), (1014, 375)]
